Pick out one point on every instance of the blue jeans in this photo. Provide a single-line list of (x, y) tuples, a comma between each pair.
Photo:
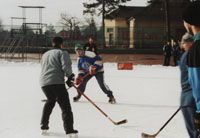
[(188, 110), (100, 79)]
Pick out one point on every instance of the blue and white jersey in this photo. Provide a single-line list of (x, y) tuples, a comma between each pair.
[(85, 62)]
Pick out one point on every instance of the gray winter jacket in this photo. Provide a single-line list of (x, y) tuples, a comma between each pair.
[(56, 64)]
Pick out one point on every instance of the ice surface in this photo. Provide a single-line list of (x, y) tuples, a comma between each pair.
[(147, 96)]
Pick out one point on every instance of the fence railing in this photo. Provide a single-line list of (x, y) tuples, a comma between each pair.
[(115, 38)]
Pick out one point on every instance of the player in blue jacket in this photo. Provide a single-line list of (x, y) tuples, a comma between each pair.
[(187, 100), (191, 18), (94, 67)]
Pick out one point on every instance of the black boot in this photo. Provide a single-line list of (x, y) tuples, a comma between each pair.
[(72, 132), (112, 100), (44, 127), (76, 98)]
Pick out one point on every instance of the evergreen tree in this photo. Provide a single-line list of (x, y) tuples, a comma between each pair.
[(177, 1), (104, 7), (91, 29), (110, 5)]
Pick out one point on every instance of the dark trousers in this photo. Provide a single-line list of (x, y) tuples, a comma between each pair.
[(188, 110), (100, 79), (57, 93), (175, 58), (166, 60)]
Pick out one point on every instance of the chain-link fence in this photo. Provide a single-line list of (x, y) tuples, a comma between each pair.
[(116, 38)]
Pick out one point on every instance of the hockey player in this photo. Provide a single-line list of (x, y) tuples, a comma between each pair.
[(192, 23), (56, 64), (93, 66), (187, 100)]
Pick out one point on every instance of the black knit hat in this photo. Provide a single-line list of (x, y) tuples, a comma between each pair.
[(191, 14), (57, 40)]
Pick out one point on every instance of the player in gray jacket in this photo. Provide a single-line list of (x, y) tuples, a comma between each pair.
[(56, 65)]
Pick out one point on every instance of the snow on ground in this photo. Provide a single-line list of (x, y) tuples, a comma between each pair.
[(147, 96)]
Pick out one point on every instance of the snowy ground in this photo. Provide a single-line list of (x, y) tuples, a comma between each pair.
[(146, 96)]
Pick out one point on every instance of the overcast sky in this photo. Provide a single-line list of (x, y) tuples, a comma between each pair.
[(51, 13)]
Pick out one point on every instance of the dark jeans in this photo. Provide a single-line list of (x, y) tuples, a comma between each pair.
[(166, 60), (57, 93), (175, 58), (188, 110), (100, 79)]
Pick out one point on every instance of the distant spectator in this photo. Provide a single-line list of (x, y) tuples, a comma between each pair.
[(175, 52), (91, 46), (167, 54)]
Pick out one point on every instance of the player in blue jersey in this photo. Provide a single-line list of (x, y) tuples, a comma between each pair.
[(94, 67)]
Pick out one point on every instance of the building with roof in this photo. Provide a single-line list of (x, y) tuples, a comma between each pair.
[(144, 27)]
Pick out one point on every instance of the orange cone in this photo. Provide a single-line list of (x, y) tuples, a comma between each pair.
[(125, 66)]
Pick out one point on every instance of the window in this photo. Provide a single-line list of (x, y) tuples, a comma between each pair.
[(109, 30)]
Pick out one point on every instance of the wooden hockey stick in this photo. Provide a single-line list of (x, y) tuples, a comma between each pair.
[(114, 122), (145, 135)]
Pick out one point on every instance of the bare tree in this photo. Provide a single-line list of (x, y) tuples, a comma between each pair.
[(50, 31), (69, 21)]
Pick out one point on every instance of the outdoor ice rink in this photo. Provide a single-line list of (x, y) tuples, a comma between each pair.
[(146, 96)]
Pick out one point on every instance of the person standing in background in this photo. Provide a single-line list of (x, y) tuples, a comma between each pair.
[(175, 53), (167, 54), (91, 46)]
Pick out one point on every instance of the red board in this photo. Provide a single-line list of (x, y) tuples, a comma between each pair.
[(125, 66)]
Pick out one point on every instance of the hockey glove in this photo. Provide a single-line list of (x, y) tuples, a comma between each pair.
[(78, 80), (70, 80), (197, 121), (92, 70)]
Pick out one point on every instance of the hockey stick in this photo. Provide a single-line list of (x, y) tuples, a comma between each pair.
[(145, 135), (115, 123)]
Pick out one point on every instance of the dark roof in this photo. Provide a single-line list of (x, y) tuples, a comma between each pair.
[(125, 12), (155, 10)]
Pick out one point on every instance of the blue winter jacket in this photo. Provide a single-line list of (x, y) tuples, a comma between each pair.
[(193, 62), (185, 85), (85, 62)]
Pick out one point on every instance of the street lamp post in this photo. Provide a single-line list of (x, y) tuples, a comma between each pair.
[(167, 18), (103, 22)]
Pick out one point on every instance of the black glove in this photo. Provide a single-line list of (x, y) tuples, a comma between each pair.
[(197, 121), (70, 80)]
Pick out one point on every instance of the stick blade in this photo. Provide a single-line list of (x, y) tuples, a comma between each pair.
[(43, 100), (145, 135), (121, 122)]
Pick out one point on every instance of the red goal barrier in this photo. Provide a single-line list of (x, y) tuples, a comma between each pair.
[(125, 66)]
